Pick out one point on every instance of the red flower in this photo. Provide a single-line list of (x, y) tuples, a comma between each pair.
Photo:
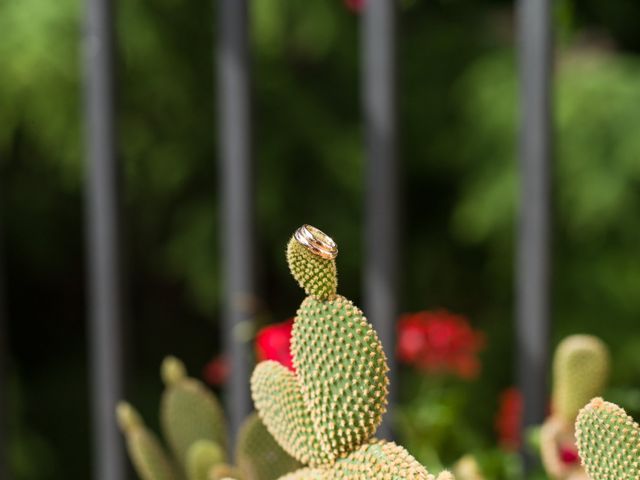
[(508, 419), (274, 342), (439, 342), (216, 371), (569, 454), (355, 6)]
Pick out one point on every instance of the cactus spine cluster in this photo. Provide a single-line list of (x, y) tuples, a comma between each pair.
[(608, 442), (580, 371), (195, 429), (326, 413)]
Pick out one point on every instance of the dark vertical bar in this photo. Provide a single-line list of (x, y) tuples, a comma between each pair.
[(105, 303), (238, 235), (4, 380), (533, 257), (381, 212)]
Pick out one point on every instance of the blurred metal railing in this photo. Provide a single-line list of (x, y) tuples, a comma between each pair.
[(533, 252), (381, 240), (103, 253), (237, 201), (4, 373)]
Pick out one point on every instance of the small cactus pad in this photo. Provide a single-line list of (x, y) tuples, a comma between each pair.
[(225, 471), (580, 371), (147, 455), (378, 460), (277, 396), (608, 442), (258, 455), (172, 371), (202, 456), (343, 372), (306, 474), (314, 271), (188, 413)]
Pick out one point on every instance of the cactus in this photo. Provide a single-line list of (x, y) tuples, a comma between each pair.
[(189, 411), (608, 441), (258, 455), (202, 456), (580, 371), (146, 452), (326, 413), (195, 428)]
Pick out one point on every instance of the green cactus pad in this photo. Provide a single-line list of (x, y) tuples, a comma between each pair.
[(580, 371), (306, 474), (190, 412), (379, 460), (315, 274), (608, 442), (202, 456), (343, 372), (258, 455), (224, 471), (277, 396), (147, 455)]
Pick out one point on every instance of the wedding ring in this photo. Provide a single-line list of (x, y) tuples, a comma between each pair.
[(316, 241)]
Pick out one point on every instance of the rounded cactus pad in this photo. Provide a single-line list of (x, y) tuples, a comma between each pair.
[(580, 372), (190, 412), (608, 442), (306, 474), (147, 455), (342, 370), (202, 456), (379, 460), (224, 471), (278, 399), (311, 257), (258, 455)]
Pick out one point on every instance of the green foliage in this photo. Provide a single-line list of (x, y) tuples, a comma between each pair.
[(608, 441)]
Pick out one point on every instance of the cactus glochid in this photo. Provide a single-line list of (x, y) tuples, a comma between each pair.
[(195, 429), (326, 412), (608, 442)]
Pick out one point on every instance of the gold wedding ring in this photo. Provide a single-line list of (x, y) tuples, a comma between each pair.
[(318, 242)]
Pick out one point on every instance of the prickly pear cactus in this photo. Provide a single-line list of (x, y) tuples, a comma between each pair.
[(580, 371), (326, 413), (147, 454), (258, 455), (608, 442), (189, 411), (195, 428)]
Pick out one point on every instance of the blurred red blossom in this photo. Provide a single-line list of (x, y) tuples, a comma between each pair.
[(355, 6), (508, 419), (569, 455), (216, 372), (274, 342), (439, 342)]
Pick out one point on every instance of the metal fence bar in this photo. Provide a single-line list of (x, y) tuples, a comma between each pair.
[(105, 303), (238, 234), (533, 252), (4, 380), (381, 213)]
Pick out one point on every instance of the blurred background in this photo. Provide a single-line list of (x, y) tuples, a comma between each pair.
[(457, 95)]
